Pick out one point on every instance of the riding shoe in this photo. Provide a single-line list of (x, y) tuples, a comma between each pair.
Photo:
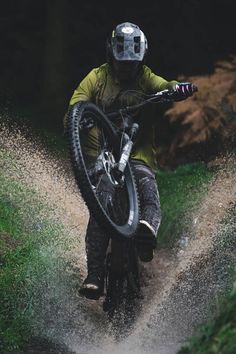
[(145, 241), (92, 287)]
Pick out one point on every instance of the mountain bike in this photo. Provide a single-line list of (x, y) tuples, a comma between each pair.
[(100, 147)]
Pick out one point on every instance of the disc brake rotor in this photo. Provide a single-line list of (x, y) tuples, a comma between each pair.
[(109, 163)]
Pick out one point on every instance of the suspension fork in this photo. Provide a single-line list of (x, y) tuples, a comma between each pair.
[(127, 148)]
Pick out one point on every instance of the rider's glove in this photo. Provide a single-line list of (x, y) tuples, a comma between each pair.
[(185, 89)]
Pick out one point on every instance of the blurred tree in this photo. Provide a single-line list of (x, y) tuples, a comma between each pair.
[(56, 55), (48, 46)]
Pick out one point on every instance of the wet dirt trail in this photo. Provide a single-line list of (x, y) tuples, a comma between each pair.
[(180, 285)]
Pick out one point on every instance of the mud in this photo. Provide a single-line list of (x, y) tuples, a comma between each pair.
[(181, 286)]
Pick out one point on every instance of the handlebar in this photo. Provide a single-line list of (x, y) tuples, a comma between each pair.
[(163, 96)]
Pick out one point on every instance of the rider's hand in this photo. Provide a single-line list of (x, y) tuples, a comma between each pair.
[(185, 89)]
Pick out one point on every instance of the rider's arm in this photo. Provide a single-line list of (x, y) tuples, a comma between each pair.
[(154, 83), (85, 90)]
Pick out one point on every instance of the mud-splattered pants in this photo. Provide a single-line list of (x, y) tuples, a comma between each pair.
[(97, 240)]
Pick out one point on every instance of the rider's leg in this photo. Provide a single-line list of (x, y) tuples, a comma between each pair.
[(96, 246), (150, 210)]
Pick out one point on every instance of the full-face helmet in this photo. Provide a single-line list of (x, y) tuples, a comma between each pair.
[(128, 43)]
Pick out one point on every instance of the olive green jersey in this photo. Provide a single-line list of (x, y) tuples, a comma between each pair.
[(103, 89)]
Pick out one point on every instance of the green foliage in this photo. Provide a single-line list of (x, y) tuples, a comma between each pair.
[(219, 335), (180, 192), (28, 238)]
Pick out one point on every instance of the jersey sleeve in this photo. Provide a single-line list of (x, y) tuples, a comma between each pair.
[(85, 90), (155, 83)]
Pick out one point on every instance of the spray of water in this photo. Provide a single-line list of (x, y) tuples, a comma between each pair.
[(59, 313), (196, 275), (179, 285)]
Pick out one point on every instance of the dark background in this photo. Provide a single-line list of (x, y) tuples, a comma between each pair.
[(47, 47)]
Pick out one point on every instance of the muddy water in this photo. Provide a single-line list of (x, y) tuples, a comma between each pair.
[(180, 285)]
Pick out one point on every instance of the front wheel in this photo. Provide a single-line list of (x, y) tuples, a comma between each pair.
[(94, 152)]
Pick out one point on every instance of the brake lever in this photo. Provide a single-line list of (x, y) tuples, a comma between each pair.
[(162, 93)]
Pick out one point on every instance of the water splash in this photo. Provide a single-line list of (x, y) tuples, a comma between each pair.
[(179, 284)]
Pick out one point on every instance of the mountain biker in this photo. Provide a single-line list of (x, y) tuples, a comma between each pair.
[(118, 83)]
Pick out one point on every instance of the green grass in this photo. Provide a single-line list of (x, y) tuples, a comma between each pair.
[(219, 335), (180, 192), (32, 246), (29, 241)]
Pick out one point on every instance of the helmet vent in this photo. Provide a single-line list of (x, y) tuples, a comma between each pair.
[(119, 44), (137, 44)]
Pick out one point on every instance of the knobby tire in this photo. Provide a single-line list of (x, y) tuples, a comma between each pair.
[(74, 118)]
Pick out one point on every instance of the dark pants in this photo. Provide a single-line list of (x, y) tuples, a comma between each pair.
[(97, 240)]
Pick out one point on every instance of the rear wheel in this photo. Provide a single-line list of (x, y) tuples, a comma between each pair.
[(122, 286), (94, 151)]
